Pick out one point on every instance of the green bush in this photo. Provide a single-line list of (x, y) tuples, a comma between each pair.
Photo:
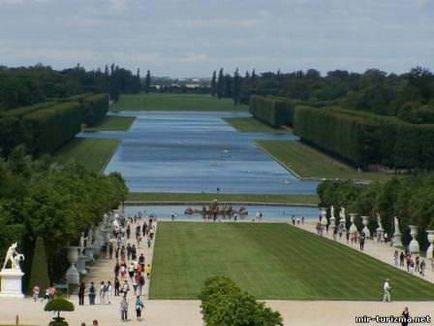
[(96, 107), (58, 305), (39, 271), (274, 111), (224, 304)]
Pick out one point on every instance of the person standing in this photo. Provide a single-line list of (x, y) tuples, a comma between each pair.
[(396, 258), (109, 292), (386, 291), (362, 241), (36, 290), (102, 290), (139, 307), (91, 294), (406, 316), (124, 309), (148, 270), (81, 291)]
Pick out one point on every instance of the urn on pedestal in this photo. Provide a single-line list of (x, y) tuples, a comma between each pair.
[(414, 245), (430, 250), (72, 275), (366, 231)]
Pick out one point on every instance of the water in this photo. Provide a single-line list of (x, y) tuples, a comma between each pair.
[(275, 213), (195, 152)]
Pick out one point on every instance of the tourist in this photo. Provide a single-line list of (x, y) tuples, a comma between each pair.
[(95, 323), (102, 290), (125, 288), (362, 241), (131, 270), (81, 291), (142, 261), (302, 220), (124, 309), (92, 294), (417, 264), (139, 307), (293, 219), (396, 258), (401, 259), (117, 269), (148, 270), (117, 287), (128, 231), (406, 316), (149, 242), (335, 232), (386, 291), (109, 292), (422, 267), (36, 290)]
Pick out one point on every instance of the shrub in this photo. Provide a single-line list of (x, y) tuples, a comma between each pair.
[(59, 304), (224, 304)]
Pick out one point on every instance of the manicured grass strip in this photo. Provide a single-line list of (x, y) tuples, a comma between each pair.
[(202, 197), (91, 152), (175, 102), (251, 125), (271, 261), (114, 123), (308, 162)]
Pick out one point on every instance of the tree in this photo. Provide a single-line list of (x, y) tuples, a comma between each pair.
[(39, 270), (148, 82), (220, 84), (214, 83), (236, 87)]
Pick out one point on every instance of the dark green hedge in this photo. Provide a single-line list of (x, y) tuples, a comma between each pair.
[(53, 126), (96, 107), (275, 111), (365, 138), (225, 304), (45, 127)]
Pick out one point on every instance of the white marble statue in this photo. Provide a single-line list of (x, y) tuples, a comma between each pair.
[(380, 226), (332, 211), (342, 213), (13, 256), (83, 240), (90, 237)]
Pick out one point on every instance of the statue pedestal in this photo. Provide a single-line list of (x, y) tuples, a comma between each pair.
[(11, 283)]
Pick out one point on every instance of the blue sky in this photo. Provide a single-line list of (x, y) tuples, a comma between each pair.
[(181, 38)]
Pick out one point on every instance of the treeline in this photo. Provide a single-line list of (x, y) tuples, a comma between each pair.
[(410, 199), (38, 199), (275, 111), (26, 86), (225, 304), (44, 127), (408, 96)]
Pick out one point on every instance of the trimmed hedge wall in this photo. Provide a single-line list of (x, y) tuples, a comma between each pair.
[(45, 127), (225, 304), (364, 138), (275, 111)]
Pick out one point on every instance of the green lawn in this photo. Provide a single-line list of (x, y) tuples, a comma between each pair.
[(174, 102), (251, 125), (205, 197), (93, 153), (308, 162), (272, 261), (115, 123)]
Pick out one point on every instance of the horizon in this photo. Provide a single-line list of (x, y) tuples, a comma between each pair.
[(188, 39)]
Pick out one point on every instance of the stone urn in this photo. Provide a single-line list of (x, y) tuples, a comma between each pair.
[(353, 227), (72, 275), (332, 218), (323, 221), (430, 250), (365, 222), (414, 245)]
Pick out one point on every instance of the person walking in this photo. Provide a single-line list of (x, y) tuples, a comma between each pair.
[(396, 258), (109, 292), (124, 309), (102, 290), (92, 294), (148, 270), (139, 307), (401, 259), (406, 316), (386, 291), (81, 291), (117, 287)]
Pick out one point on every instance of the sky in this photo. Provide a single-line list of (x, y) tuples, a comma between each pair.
[(191, 38)]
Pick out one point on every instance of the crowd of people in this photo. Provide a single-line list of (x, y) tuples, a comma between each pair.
[(131, 270), (412, 263)]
